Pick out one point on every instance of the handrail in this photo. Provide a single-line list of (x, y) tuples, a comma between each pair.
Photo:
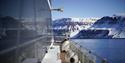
[(103, 60)]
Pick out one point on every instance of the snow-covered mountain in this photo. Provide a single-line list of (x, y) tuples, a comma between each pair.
[(105, 27), (72, 25), (92, 33), (115, 24)]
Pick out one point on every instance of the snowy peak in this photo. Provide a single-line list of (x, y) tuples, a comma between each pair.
[(110, 22), (115, 23), (72, 24), (66, 23)]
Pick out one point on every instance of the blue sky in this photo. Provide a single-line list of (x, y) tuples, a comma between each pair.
[(88, 8)]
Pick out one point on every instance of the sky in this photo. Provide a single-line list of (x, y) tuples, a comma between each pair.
[(88, 8)]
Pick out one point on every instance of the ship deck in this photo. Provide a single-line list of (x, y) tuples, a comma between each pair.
[(53, 55)]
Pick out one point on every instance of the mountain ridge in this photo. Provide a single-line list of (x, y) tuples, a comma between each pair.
[(114, 25)]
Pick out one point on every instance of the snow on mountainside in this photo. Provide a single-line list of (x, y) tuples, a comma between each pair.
[(72, 25), (105, 27), (92, 33), (65, 23), (116, 24)]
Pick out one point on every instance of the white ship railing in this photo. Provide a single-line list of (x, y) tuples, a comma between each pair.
[(86, 55)]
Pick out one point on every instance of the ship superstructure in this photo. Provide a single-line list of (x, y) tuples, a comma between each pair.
[(24, 30)]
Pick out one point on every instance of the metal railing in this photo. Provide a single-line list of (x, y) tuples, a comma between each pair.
[(86, 55)]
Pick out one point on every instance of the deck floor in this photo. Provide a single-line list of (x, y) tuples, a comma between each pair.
[(52, 56)]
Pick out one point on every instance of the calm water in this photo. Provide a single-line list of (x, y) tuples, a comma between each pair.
[(111, 49)]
